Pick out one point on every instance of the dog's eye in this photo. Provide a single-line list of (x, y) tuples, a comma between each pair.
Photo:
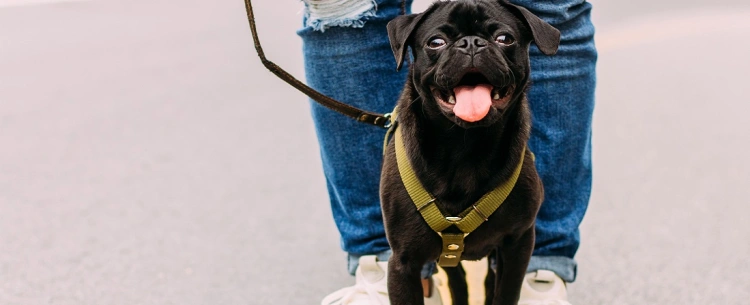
[(505, 39), (436, 43)]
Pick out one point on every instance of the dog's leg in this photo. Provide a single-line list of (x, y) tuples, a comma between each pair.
[(489, 280), (457, 284), (515, 257), (404, 283)]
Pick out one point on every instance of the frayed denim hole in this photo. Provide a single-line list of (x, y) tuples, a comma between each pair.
[(323, 14)]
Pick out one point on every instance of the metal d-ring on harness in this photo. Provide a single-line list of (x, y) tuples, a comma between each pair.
[(353, 112), (467, 221)]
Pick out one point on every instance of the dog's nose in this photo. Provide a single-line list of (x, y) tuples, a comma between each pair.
[(471, 44)]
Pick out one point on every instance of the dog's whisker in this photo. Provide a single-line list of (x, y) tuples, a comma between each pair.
[(414, 101)]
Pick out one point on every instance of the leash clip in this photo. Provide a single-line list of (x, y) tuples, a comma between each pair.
[(389, 123)]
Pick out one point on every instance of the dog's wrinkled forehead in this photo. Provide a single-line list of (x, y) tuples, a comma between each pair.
[(470, 17), (467, 18)]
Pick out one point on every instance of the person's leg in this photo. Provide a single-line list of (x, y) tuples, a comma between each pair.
[(348, 57), (562, 103)]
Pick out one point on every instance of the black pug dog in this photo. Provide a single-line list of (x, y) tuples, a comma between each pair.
[(465, 122)]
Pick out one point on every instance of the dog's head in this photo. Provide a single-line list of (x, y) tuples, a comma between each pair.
[(471, 60)]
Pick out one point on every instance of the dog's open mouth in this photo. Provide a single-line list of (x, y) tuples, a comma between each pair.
[(473, 97)]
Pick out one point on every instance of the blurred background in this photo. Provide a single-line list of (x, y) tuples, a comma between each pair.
[(143, 159)]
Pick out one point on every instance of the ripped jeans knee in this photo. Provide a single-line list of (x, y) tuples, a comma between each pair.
[(323, 14)]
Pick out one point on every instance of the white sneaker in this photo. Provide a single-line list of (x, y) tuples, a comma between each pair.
[(370, 286), (543, 287)]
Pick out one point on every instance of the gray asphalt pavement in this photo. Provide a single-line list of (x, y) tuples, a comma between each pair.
[(146, 157)]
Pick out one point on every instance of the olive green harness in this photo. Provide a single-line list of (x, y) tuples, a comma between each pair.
[(467, 221)]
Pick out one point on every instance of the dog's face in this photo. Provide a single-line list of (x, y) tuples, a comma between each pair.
[(471, 58)]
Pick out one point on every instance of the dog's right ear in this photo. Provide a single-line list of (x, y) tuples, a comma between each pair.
[(546, 37), (400, 31)]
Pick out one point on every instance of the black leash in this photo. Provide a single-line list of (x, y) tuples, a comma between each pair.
[(382, 120)]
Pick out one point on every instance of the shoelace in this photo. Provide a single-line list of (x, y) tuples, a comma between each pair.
[(357, 292)]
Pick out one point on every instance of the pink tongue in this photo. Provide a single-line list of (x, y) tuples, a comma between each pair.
[(472, 102)]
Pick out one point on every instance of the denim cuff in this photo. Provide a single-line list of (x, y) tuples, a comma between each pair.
[(565, 267), (353, 262)]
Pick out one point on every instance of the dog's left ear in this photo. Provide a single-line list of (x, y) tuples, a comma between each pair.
[(546, 37), (400, 31)]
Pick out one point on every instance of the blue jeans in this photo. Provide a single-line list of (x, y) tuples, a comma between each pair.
[(349, 58)]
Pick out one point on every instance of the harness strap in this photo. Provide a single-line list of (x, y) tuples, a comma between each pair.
[(468, 221)]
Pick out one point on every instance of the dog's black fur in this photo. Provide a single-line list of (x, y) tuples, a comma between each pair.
[(459, 161)]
